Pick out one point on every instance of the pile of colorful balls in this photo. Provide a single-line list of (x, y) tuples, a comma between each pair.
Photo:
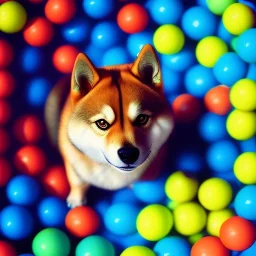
[(204, 202)]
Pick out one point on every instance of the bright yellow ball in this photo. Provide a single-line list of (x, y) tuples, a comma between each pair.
[(243, 95), (209, 50), (241, 125), (189, 218), (216, 219), (13, 17), (154, 222), (215, 194), (245, 168), (137, 251), (168, 39), (180, 187), (238, 18)]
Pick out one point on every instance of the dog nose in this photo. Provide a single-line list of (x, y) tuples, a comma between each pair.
[(128, 155)]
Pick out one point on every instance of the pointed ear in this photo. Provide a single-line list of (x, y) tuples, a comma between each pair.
[(147, 68), (84, 77)]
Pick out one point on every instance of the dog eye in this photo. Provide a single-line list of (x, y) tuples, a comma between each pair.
[(141, 120), (102, 124)]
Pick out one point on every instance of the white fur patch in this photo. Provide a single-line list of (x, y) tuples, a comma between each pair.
[(134, 110), (106, 113)]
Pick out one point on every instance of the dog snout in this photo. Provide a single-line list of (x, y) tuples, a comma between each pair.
[(128, 155)]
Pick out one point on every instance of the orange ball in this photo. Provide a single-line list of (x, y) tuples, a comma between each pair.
[(5, 112), (217, 100), (5, 172), (6, 54), (7, 83), (38, 32), (7, 249), (82, 221), (5, 142), (60, 11), (132, 18), (209, 246), (237, 233)]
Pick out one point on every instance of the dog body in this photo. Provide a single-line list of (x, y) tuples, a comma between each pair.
[(114, 124)]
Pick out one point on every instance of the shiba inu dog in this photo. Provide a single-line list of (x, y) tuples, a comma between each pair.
[(114, 123)]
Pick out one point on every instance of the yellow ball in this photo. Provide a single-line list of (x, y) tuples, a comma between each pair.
[(180, 188), (189, 218), (238, 18), (13, 17), (168, 39), (245, 168), (215, 194), (209, 50), (154, 222), (137, 251), (243, 95), (216, 219), (241, 125)]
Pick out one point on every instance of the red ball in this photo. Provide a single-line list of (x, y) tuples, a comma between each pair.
[(7, 83), (132, 18), (237, 233), (60, 11), (5, 172), (186, 108), (82, 221), (209, 246), (5, 112), (6, 249), (6, 54), (30, 160), (5, 142), (64, 58), (217, 100), (38, 32), (55, 182)]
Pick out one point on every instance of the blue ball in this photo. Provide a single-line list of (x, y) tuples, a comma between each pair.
[(248, 145), (199, 80), (52, 212), (165, 11), (172, 246), (95, 54), (101, 207), (26, 254), (229, 69), (251, 74), (114, 56), (245, 202), (198, 22), (223, 34), (23, 190), (251, 250), (202, 3), (16, 222), (221, 156), (120, 218), (125, 195)]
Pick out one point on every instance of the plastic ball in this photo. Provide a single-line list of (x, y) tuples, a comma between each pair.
[(7, 84), (219, 6), (215, 194), (51, 241), (137, 251), (132, 18), (5, 112), (16, 222), (95, 245), (7, 249), (209, 246), (114, 56), (217, 100), (223, 34), (13, 17), (168, 39), (5, 141), (60, 12), (124, 195), (245, 202), (238, 18), (6, 53), (241, 125), (209, 50), (94, 53), (248, 145), (237, 233), (5, 171), (23, 190), (243, 95), (251, 74), (82, 221), (154, 222)]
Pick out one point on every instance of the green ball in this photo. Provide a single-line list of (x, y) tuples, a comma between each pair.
[(51, 242), (219, 6), (95, 246)]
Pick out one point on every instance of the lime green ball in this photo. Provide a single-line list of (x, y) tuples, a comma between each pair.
[(137, 251), (209, 50), (245, 168), (13, 17), (216, 219), (154, 222), (180, 187), (243, 95), (219, 6), (238, 18), (168, 39), (196, 237), (241, 125), (51, 242), (189, 218), (215, 194)]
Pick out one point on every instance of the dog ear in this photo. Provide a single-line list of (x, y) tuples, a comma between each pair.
[(84, 77), (147, 68)]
